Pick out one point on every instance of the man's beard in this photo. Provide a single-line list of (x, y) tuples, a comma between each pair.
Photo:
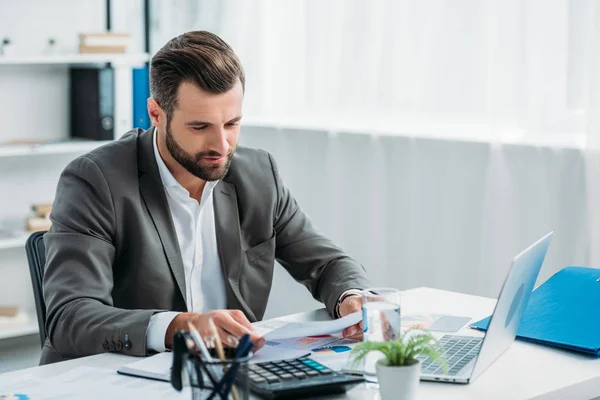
[(193, 163)]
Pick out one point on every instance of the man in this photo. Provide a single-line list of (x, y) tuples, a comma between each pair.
[(178, 224)]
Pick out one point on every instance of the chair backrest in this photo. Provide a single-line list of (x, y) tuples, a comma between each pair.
[(36, 255)]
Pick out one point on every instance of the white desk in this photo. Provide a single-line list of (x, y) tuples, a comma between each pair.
[(525, 371)]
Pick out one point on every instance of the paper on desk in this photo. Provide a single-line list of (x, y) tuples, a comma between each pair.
[(275, 329), (93, 384), (335, 354)]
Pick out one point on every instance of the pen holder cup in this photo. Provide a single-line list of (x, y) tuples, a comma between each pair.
[(219, 380)]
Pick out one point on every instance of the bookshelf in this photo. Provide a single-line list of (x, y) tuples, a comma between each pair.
[(35, 142), (127, 59), (35, 148)]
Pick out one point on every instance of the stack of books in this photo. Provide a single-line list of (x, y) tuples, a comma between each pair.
[(41, 220), (104, 43)]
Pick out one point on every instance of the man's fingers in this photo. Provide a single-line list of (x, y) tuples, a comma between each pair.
[(353, 332), (226, 322), (257, 339), (350, 304), (227, 339), (239, 316)]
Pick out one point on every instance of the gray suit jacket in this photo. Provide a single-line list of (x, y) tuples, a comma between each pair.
[(113, 259)]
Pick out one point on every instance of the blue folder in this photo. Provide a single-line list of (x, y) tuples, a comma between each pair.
[(141, 92), (564, 312)]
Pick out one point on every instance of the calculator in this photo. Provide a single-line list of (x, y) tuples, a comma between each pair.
[(296, 378)]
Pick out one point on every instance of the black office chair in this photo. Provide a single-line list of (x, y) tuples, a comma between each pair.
[(36, 254)]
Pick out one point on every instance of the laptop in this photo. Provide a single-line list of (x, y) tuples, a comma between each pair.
[(469, 356)]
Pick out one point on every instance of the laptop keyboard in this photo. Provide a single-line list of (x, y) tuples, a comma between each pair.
[(458, 352)]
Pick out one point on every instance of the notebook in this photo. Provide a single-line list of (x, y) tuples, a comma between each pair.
[(564, 312)]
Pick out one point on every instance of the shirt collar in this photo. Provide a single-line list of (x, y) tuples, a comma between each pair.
[(167, 178)]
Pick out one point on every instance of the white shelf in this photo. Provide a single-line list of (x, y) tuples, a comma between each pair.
[(14, 242), (137, 59), (23, 325), (83, 146)]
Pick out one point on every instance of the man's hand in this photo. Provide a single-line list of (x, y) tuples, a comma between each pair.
[(350, 304), (231, 325)]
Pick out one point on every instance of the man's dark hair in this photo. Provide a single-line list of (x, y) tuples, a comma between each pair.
[(199, 57)]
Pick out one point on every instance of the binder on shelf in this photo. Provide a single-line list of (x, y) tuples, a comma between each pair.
[(563, 312), (141, 92), (92, 103)]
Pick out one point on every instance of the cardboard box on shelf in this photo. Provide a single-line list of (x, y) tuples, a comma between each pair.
[(9, 311), (36, 224), (101, 49), (105, 39), (105, 42), (42, 210)]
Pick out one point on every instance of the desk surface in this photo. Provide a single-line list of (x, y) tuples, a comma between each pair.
[(525, 371)]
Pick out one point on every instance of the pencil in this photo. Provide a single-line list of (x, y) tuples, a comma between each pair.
[(220, 351), (215, 334)]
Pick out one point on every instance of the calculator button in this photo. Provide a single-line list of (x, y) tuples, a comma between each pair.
[(325, 371), (286, 376), (272, 379), (299, 375), (312, 373), (258, 379)]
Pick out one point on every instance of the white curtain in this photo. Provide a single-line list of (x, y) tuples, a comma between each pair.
[(512, 69), (492, 114), (592, 129)]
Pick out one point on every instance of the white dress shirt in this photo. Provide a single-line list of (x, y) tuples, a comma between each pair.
[(195, 228)]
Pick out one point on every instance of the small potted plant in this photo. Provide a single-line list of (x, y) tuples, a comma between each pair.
[(7, 47), (398, 372), (51, 48)]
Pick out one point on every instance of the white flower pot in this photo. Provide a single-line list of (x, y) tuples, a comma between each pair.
[(7, 49), (398, 383)]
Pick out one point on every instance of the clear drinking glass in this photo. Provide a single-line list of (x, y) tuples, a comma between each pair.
[(381, 322)]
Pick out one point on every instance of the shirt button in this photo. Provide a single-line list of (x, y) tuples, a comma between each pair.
[(127, 343)]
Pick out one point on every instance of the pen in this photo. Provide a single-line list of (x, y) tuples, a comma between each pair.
[(199, 342), (220, 352)]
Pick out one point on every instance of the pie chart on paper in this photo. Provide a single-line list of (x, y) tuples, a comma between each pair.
[(335, 349)]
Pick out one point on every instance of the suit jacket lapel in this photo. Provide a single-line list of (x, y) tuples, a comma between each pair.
[(154, 196), (227, 226)]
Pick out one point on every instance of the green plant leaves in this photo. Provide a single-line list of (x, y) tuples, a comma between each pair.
[(404, 350)]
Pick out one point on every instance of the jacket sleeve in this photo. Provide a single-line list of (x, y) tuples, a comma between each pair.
[(78, 278), (310, 257)]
